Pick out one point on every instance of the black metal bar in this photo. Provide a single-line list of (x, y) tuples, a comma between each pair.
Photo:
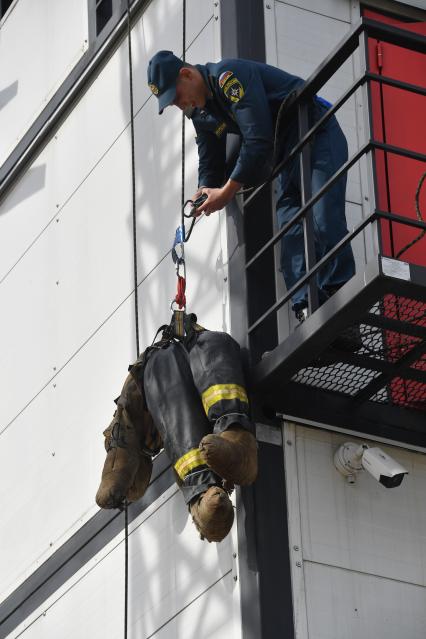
[(307, 206), (297, 148), (348, 238), (271, 373), (399, 368), (308, 218), (401, 219), (397, 150), (395, 35), (339, 55), (318, 195), (398, 326), (391, 422), (398, 84), (349, 43)]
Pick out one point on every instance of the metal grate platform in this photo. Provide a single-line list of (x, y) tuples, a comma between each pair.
[(365, 347), (395, 346)]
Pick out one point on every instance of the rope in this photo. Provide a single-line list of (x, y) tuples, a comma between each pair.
[(419, 217), (183, 115), (132, 136), (180, 298), (126, 565), (135, 277)]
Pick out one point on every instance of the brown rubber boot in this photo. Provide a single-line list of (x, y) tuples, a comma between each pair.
[(141, 480), (212, 514), (232, 455), (122, 461), (127, 470)]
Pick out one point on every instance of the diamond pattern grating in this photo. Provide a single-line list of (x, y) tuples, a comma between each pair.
[(387, 365)]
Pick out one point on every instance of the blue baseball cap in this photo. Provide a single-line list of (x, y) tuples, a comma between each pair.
[(163, 70)]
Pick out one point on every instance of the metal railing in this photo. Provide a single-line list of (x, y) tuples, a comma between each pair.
[(357, 38)]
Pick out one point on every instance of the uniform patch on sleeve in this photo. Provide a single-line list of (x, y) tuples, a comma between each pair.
[(224, 77), (220, 129), (233, 90)]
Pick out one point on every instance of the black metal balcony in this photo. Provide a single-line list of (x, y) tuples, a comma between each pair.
[(381, 385)]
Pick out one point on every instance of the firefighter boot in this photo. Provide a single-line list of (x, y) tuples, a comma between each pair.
[(232, 455), (212, 513), (142, 477), (127, 470)]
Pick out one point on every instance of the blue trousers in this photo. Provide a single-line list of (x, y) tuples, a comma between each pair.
[(328, 152)]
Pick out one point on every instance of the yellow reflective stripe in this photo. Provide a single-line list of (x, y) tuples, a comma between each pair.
[(188, 462), (219, 392)]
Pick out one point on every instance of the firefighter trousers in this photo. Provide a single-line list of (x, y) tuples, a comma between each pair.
[(192, 390)]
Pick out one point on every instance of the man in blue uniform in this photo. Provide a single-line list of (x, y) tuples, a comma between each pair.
[(244, 97)]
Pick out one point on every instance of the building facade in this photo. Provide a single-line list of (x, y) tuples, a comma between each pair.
[(310, 555)]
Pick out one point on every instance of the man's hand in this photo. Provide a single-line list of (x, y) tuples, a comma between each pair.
[(217, 199)]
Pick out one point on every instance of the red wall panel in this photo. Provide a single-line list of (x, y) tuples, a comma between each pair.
[(399, 118)]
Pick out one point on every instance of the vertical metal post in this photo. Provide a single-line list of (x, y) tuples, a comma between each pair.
[(306, 194), (372, 155)]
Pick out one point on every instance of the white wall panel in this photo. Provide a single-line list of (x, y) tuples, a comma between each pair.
[(161, 28), (99, 118), (66, 229), (69, 158), (415, 3), (171, 567), (69, 282), (337, 9), (89, 251), (303, 39), (179, 586), (362, 547), (351, 604), (41, 42), (52, 455), (363, 527)]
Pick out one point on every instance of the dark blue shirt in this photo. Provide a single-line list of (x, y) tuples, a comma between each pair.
[(245, 99)]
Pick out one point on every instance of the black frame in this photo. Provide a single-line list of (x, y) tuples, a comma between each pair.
[(4, 6), (356, 38), (272, 378)]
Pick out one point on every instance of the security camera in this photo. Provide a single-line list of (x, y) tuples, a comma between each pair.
[(383, 467), (351, 458)]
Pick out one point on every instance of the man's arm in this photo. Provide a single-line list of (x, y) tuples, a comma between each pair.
[(211, 157), (244, 94)]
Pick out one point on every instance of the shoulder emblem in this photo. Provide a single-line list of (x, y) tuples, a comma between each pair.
[(224, 77), (233, 90), (153, 88)]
